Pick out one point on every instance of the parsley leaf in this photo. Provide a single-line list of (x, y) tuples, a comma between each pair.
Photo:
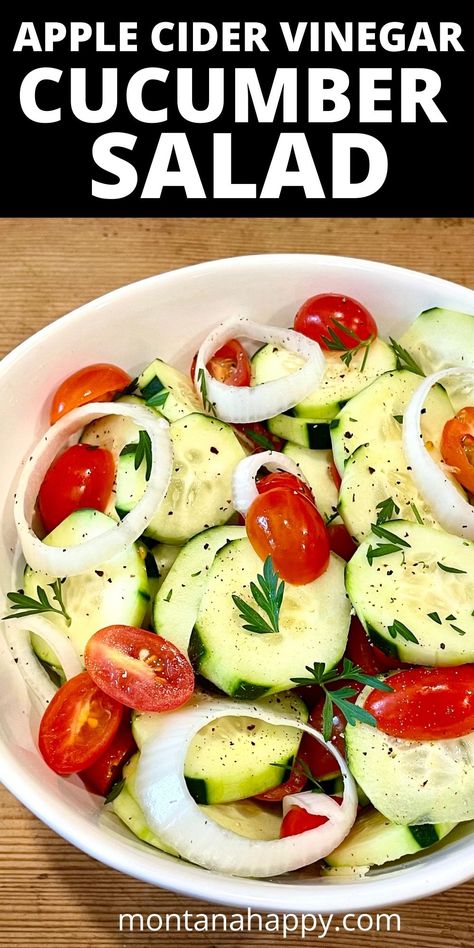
[(386, 509), (143, 451), (268, 595), (336, 344), (158, 400), (32, 607), (398, 628), (450, 569), (404, 359)]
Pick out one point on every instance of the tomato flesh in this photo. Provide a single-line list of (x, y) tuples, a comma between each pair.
[(142, 670), (287, 482), (330, 311), (295, 783), (320, 761), (285, 525), (298, 821), (77, 726), (370, 658), (335, 475), (83, 476), (230, 364), (457, 446), (93, 383), (341, 541), (101, 776), (426, 703)]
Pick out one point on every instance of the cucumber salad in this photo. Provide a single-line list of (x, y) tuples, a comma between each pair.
[(246, 611)]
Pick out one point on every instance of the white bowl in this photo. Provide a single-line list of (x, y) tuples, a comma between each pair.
[(169, 315)]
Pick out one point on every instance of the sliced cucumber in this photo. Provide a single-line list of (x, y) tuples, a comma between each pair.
[(112, 432), (163, 555), (440, 338), (205, 452), (412, 588), (177, 395), (177, 602), (117, 593), (233, 758), (248, 818), (375, 416), (374, 840), (316, 467), (314, 622), (339, 383), (413, 782), (373, 474), (303, 431)]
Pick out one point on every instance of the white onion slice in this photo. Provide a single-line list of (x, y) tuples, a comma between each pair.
[(447, 505), (92, 553), (259, 402), (171, 812), (17, 634), (244, 488)]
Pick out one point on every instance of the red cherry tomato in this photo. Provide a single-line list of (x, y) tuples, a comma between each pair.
[(341, 541), (78, 725), (295, 783), (256, 437), (426, 703), (286, 526), (370, 658), (83, 476), (138, 668), (335, 475), (93, 383), (328, 311), (101, 776), (320, 761), (230, 364), (299, 821), (457, 447), (285, 481)]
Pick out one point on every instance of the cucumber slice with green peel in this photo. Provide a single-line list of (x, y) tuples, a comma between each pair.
[(116, 593), (233, 758), (177, 602), (413, 783), (205, 452), (375, 415), (248, 818), (172, 391), (375, 840), (440, 338), (339, 382), (408, 595), (112, 432), (316, 467), (374, 473), (304, 431), (314, 623)]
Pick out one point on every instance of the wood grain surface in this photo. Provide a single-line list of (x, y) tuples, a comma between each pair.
[(51, 894)]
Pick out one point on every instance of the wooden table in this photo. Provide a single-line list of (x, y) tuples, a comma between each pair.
[(50, 893)]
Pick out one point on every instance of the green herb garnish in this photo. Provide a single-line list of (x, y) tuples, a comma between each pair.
[(416, 512), (303, 766), (386, 509), (158, 400), (399, 418), (168, 597), (457, 629), (260, 439), (115, 790), (143, 451), (269, 596), (334, 343), (450, 569), (32, 607), (435, 617), (352, 712), (398, 628), (385, 534), (208, 406), (404, 359), (382, 549)]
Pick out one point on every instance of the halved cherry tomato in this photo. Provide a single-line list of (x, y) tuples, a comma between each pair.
[(320, 761), (257, 437), (341, 541), (78, 725), (101, 776), (83, 476), (295, 783), (138, 668), (94, 383), (457, 446), (370, 658), (335, 475), (287, 526), (230, 364), (298, 821), (287, 482), (426, 704), (330, 311)]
